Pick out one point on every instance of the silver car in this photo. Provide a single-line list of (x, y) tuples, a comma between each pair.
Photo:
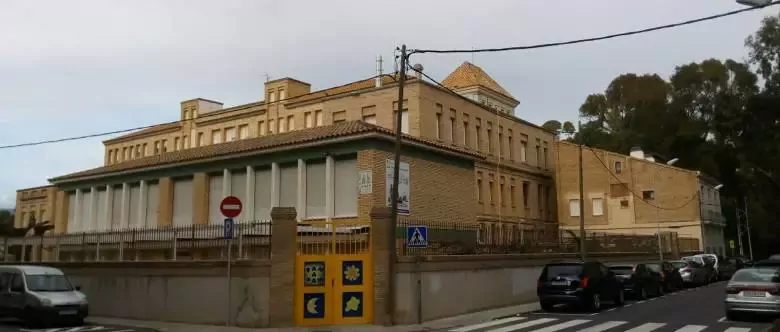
[(753, 290), (40, 295), (692, 273)]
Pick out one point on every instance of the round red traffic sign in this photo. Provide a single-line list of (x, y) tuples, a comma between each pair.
[(230, 206)]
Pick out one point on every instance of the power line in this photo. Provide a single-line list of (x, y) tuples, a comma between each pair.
[(693, 197), (121, 131), (599, 38)]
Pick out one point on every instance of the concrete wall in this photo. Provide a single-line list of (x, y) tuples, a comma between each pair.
[(187, 292), (437, 287)]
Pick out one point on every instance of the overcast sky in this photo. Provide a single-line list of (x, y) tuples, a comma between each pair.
[(70, 68)]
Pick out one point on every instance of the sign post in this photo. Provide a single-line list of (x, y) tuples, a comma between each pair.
[(230, 208)]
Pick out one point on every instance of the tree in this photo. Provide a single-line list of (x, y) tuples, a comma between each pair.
[(553, 126), (568, 128)]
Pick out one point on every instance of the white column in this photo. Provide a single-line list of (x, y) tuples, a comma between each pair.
[(93, 203), (105, 223), (76, 226), (274, 184), (301, 202), (249, 197), (125, 215), (330, 167), (141, 221), (226, 183)]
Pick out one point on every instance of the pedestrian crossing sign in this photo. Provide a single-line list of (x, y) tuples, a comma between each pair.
[(417, 237)]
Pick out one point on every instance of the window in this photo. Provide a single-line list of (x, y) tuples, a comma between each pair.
[(598, 206), (282, 94), (308, 121), (315, 189), (271, 96), (186, 142), (491, 189), (164, 145), (618, 167), (369, 119), (466, 141), (243, 131), (574, 207), (290, 123), (624, 204), (176, 142), (230, 134), (511, 143), (501, 192), (145, 148), (339, 116), (261, 128), (345, 181), (545, 156), (479, 187), (525, 195), (538, 154), (478, 131), (271, 126), (648, 195), (453, 127), (405, 121), (541, 199), (216, 137), (282, 125), (489, 133), (138, 151), (513, 194), (501, 142), (524, 151), (288, 184), (110, 156), (201, 139), (318, 118), (438, 123), (157, 147)]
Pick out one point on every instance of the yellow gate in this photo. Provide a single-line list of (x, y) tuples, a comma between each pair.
[(334, 274)]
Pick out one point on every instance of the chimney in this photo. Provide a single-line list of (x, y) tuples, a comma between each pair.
[(637, 152), (418, 69), (378, 79)]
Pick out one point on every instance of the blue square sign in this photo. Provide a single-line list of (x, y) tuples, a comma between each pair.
[(417, 237)]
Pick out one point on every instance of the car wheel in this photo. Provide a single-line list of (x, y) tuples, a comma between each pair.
[(29, 320), (595, 303), (546, 306), (620, 299), (661, 290), (732, 316), (642, 293)]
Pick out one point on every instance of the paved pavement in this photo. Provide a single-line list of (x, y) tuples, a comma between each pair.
[(10, 325), (692, 310)]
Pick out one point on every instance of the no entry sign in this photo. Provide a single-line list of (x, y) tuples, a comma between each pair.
[(230, 206)]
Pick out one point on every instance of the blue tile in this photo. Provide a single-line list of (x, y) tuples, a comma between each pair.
[(314, 305), (352, 273), (314, 274), (352, 303)]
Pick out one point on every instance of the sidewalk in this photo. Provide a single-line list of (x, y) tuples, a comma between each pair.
[(440, 324)]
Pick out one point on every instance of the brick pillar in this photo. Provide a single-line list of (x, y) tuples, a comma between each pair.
[(200, 198), (61, 214), (381, 231), (165, 202), (284, 228)]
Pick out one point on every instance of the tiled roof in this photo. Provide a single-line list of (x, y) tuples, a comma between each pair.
[(340, 130), (468, 75)]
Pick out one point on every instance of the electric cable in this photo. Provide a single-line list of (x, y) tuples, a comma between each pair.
[(598, 38)]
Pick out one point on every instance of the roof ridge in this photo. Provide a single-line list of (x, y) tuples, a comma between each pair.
[(469, 74)]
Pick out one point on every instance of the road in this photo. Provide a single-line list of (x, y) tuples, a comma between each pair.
[(692, 310), (9, 325)]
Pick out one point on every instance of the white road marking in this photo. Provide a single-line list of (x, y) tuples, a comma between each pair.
[(521, 326), (487, 324), (737, 329), (79, 329), (561, 326), (691, 328), (721, 319), (603, 326), (647, 327)]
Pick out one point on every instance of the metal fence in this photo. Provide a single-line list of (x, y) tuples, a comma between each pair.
[(448, 238), (251, 241)]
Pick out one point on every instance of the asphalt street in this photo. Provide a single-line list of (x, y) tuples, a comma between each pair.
[(9, 325), (691, 310)]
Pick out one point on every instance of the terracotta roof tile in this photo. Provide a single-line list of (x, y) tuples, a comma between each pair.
[(344, 129), (468, 75)]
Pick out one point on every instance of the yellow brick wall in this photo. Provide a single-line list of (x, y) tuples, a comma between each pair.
[(39, 202)]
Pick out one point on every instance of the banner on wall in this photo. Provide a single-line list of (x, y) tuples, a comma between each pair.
[(403, 186)]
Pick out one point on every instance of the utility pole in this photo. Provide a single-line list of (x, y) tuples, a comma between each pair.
[(390, 310), (747, 225), (583, 252), (739, 229)]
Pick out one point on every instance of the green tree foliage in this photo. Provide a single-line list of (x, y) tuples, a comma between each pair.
[(554, 126)]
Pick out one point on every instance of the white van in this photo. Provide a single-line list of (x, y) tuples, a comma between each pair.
[(40, 295)]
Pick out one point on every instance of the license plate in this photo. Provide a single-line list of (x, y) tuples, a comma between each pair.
[(560, 283), (754, 294), (68, 312)]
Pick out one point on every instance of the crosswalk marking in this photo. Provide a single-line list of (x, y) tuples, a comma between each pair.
[(487, 324), (603, 326), (737, 329), (691, 328), (564, 325), (521, 326), (647, 327)]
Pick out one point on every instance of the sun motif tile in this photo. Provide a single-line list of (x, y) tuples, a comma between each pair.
[(352, 273)]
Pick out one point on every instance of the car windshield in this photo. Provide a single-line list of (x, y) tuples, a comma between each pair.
[(679, 265), (757, 275), (563, 270), (622, 269), (48, 283), (654, 267)]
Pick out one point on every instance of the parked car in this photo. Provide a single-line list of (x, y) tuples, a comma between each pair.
[(740, 262), (583, 284), (40, 295), (671, 280), (753, 290), (638, 280), (692, 273), (726, 267), (774, 257), (707, 266), (766, 263)]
